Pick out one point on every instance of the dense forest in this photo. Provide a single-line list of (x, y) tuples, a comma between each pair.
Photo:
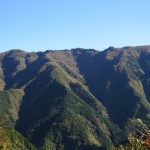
[(78, 99)]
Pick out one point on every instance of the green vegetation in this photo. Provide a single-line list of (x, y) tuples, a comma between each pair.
[(10, 103), (12, 140), (78, 99), (138, 137)]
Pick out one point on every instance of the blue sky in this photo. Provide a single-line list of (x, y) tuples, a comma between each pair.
[(38, 25)]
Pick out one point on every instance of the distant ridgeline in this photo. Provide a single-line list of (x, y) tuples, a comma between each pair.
[(79, 99)]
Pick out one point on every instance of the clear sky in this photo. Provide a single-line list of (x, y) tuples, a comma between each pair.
[(38, 25)]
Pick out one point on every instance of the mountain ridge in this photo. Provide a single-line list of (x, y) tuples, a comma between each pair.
[(76, 99)]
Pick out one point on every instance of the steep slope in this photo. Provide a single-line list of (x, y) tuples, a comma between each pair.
[(75, 99), (56, 105), (10, 101), (12, 140), (118, 81)]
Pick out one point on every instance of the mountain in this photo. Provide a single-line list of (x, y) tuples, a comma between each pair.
[(75, 99), (12, 140)]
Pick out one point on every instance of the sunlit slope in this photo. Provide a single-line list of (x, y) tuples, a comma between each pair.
[(75, 99)]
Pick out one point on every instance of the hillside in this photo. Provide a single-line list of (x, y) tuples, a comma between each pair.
[(75, 99), (11, 139)]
